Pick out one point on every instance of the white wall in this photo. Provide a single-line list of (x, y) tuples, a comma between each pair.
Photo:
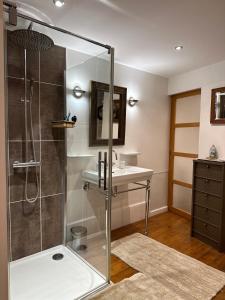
[(206, 78), (147, 131)]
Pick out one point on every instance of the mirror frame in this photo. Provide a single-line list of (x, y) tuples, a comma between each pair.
[(213, 119), (93, 139)]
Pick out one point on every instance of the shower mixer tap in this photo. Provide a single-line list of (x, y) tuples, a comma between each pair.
[(28, 164), (23, 100)]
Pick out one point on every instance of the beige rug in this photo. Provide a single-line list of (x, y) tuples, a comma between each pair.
[(137, 287), (186, 277), (168, 274)]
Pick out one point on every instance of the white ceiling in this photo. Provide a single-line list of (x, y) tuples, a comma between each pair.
[(144, 32)]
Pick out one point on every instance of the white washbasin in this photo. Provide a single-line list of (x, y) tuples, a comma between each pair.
[(121, 176)]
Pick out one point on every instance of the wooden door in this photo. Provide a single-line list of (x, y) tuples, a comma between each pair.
[(184, 137)]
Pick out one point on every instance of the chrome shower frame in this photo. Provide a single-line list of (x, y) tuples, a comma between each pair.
[(11, 9)]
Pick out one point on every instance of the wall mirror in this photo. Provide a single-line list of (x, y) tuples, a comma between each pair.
[(98, 126), (218, 106)]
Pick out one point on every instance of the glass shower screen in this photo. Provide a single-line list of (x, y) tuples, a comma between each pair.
[(59, 221)]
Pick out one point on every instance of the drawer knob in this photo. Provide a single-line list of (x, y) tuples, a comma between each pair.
[(205, 225), (207, 166), (206, 180), (206, 210)]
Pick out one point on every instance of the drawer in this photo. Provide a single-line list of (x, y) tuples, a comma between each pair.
[(208, 200), (204, 239), (207, 215), (206, 229), (209, 186), (210, 170)]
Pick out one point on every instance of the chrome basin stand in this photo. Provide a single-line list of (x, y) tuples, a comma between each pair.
[(115, 192), (147, 204)]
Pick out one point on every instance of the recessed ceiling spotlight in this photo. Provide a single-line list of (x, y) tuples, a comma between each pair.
[(58, 3), (179, 48)]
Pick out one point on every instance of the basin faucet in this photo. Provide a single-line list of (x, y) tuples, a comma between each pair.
[(116, 156)]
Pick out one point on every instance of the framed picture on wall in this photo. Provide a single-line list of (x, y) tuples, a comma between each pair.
[(218, 106)]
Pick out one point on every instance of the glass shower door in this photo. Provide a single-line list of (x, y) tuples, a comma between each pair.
[(88, 201)]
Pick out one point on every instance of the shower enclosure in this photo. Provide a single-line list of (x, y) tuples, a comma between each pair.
[(59, 231)]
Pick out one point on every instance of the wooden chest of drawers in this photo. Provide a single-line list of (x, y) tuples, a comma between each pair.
[(208, 203)]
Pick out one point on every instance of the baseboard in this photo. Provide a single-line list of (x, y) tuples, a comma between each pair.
[(158, 211), (133, 213), (121, 216)]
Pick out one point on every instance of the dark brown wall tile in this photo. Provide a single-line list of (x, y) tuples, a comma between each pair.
[(53, 65), (52, 221), (25, 217), (53, 165), (17, 176), (33, 107), (25, 229), (16, 110), (16, 60), (16, 116), (33, 65), (52, 109)]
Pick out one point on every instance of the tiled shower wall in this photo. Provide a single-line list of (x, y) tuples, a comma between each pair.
[(38, 226)]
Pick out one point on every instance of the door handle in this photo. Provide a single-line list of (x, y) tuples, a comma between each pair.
[(105, 170), (99, 169), (104, 162)]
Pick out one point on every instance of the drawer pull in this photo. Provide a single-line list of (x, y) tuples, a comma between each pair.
[(207, 166), (206, 225), (206, 210), (206, 180)]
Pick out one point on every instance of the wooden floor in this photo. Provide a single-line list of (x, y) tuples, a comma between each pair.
[(173, 231)]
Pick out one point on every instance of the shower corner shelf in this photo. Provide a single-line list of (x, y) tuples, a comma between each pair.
[(63, 124)]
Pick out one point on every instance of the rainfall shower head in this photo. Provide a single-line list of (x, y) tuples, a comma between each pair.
[(31, 40)]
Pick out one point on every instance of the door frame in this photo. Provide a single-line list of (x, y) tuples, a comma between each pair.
[(3, 179), (173, 154)]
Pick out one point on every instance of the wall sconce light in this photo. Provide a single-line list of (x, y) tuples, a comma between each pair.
[(58, 3), (78, 92), (132, 102)]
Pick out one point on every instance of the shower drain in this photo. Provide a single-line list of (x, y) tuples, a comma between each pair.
[(58, 256)]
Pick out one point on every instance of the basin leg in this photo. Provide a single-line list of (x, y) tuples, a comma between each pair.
[(147, 204)]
